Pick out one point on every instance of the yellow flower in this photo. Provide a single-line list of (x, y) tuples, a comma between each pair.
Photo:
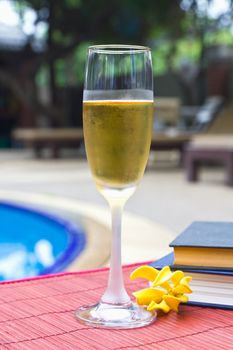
[(147, 272), (158, 306), (163, 277), (167, 288), (144, 296), (174, 302)]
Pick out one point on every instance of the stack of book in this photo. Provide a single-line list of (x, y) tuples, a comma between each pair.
[(205, 252)]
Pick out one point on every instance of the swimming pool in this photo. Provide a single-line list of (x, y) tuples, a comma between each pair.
[(33, 242)]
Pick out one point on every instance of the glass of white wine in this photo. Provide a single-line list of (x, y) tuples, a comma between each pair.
[(117, 121)]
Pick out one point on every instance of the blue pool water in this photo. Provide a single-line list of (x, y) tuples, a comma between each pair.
[(35, 243)]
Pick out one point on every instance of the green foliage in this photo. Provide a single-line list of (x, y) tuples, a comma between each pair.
[(221, 37), (187, 50), (42, 76), (80, 55), (60, 72), (69, 70), (73, 3), (176, 34), (159, 57)]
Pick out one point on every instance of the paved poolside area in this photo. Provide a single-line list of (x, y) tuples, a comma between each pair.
[(163, 205)]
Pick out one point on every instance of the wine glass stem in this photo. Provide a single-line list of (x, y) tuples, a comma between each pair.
[(115, 292)]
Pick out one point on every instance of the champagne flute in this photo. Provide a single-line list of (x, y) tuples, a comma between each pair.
[(117, 120)]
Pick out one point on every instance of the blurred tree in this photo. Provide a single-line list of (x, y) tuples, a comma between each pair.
[(72, 23), (207, 22)]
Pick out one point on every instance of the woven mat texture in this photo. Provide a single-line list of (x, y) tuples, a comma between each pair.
[(39, 314)]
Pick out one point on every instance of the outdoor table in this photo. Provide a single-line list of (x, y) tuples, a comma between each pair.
[(38, 313), (216, 149), (53, 138)]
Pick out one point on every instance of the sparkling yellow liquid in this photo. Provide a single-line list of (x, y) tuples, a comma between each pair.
[(117, 140)]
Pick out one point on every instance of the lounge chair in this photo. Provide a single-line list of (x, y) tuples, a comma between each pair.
[(215, 146)]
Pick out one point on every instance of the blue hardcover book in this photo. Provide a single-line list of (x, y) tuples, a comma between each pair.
[(205, 244), (206, 234), (212, 288)]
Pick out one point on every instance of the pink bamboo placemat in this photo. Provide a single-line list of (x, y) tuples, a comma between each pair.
[(39, 314)]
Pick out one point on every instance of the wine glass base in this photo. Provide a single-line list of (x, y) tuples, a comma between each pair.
[(106, 315)]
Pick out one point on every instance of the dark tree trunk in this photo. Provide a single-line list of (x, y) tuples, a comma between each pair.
[(51, 62)]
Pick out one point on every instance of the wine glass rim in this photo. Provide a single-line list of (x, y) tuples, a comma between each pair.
[(118, 48)]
